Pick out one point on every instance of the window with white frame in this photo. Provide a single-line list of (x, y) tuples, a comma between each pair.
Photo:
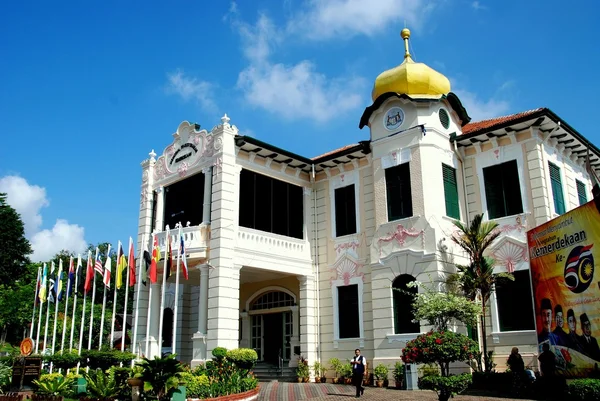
[(345, 210), (348, 311), (399, 195), (502, 190), (515, 307), (403, 297)]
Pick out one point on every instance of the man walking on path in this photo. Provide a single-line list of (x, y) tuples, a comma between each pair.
[(358, 371)]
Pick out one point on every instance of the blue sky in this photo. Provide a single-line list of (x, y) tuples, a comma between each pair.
[(89, 88)]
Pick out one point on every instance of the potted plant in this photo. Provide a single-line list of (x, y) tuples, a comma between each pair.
[(336, 365), (135, 377), (347, 373), (381, 373), (303, 373), (161, 376), (399, 374), (317, 369)]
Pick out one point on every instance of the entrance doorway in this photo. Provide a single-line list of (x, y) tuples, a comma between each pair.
[(273, 337)]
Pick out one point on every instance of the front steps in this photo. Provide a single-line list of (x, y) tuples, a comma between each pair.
[(266, 372)]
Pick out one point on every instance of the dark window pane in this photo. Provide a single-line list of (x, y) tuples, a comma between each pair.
[(271, 205), (345, 211), (502, 190), (184, 201), (515, 308), (349, 323), (399, 197), (403, 297)]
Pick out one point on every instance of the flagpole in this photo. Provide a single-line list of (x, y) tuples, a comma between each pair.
[(112, 326), (56, 290), (137, 296), (124, 325), (47, 313), (93, 300), (162, 295), (35, 300), (37, 338), (149, 307), (104, 299), (75, 302), (62, 341), (174, 342), (85, 289)]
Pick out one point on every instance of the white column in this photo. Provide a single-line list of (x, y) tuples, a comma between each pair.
[(308, 346), (295, 340), (208, 173), (160, 210), (245, 334), (153, 322), (199, 338)]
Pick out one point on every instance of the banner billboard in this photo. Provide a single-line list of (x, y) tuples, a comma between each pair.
[(562, 254)]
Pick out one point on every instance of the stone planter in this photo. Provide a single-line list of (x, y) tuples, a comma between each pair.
[(251, 395), (379, 383)]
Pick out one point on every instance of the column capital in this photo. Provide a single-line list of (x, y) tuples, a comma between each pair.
[(307, 191), (305, 280)]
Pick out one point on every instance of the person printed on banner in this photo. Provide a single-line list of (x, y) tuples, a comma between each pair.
[(546, 333), (589, 344), (574, 339), (559, 320)]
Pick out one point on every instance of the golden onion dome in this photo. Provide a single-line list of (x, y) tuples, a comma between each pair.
[(417, 80)]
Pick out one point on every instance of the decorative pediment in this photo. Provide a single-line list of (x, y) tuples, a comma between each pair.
[(510, 254), (345, 268), (189, 148)]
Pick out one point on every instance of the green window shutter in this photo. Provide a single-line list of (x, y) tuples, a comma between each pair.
[(581, 193), (502, 190), (557, 192), (451, 192)]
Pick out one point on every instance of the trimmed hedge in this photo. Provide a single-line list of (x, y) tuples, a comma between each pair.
[(243, 358), (584, 390)]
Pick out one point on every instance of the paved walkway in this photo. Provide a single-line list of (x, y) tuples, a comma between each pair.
[(275, 391)]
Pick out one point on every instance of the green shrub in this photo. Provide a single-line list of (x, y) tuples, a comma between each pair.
[(446, 386), (105, 359), (584, 390), (244, 358), (66, 360), (54, 384), (195, 386), (120, 376), (5, 377), (219, 353)]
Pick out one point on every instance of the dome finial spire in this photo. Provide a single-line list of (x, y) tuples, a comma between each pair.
[(405, 34)]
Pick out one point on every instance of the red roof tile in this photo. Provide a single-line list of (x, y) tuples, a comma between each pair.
[(335, 151), (492, 122)]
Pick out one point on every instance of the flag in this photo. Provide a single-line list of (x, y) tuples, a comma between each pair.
[(169, 258), (42, 294), (71, 277), (51, 284), (155, 258), (98, 264), (147, 261), (78, 275), (183, 256), (131, 260), (121, 266), (59, 285), (107, 268), (89, 274), (38, 281)]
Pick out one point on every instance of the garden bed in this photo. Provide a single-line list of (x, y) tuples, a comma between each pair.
[(249, 395)]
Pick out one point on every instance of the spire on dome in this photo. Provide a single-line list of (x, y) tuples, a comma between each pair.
[(405, 34)]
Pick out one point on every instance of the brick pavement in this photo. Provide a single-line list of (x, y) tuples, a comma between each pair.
[(276, 391)]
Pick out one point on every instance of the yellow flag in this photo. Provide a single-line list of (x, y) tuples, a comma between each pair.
[(121, 266)]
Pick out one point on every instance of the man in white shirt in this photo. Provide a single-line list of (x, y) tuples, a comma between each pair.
[(358, 363)]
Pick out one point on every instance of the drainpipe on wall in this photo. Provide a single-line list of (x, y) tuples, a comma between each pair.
[(316, 238), (464, 180)]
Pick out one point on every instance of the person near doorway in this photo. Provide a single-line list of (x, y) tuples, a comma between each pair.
[(358, 371)]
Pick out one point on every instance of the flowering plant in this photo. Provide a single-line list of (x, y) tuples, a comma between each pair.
[(440, 347)]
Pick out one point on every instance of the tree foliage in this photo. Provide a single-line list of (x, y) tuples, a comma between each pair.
[(14, 247), (477, 280)]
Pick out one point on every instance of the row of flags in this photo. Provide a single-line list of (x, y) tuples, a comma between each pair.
[(52, 288)]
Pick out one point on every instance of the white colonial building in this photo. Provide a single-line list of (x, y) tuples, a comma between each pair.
[(296, 256)]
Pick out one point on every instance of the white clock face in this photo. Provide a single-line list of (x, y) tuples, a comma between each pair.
[(393, 119)]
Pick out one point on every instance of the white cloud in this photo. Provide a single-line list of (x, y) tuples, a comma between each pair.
[(325, 19), (478, 6), (28, 200), (481, 109), (189, 88), (294, 91)]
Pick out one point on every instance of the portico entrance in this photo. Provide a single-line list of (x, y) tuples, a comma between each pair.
[(272, 325)]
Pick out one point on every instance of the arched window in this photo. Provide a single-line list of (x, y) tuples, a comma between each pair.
[(167, 331), (403, 296), (272, 299)]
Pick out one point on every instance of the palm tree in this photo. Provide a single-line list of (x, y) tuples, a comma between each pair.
[(477, 280)]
